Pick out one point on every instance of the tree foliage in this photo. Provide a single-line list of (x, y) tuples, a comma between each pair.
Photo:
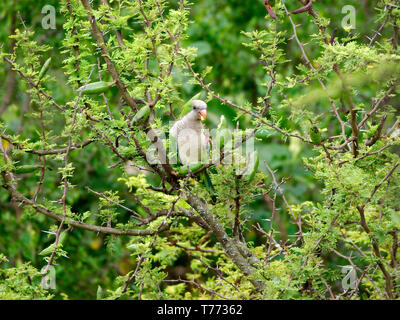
[(80, 193)]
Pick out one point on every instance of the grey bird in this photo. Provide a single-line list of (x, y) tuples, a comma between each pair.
[(191, 140)]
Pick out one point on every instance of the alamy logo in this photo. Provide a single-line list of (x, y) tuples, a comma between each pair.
[(191, 147), (49, 277), (49, 20), (350, 279), (349, 20)]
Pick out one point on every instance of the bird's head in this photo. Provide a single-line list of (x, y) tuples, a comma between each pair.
[(199, 109)]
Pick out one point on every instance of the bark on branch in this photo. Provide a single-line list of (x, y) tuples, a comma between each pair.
[(229, 246)]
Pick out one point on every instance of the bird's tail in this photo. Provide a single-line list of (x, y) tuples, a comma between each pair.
[(205, 178)]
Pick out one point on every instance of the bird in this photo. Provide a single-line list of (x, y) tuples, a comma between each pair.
[(315, 135), (190, 141), (5, 146)]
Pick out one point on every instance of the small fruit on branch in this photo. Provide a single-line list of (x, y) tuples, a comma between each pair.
[(44, 69), (141, 116), (96, 87)]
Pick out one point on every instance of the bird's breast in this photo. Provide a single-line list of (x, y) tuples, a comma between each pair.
[(191, 145)]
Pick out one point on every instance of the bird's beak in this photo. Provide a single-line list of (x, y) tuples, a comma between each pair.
[(202, 115)]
